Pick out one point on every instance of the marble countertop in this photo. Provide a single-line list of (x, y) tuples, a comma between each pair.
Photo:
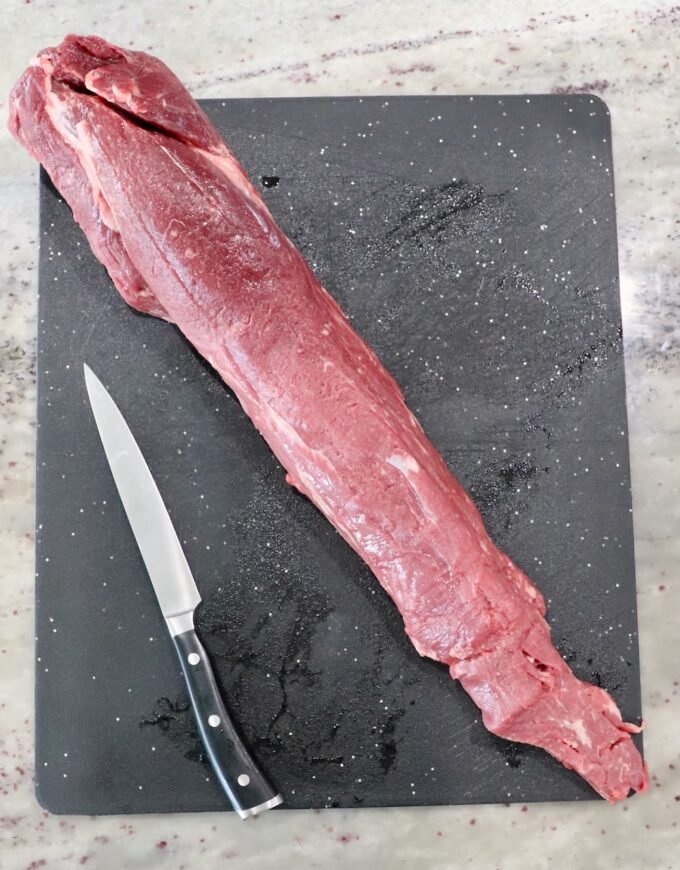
[(627, 54)]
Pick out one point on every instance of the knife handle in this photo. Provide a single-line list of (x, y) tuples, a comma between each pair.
[(246, 786)]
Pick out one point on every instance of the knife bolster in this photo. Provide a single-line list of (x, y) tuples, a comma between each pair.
[(180, 622)]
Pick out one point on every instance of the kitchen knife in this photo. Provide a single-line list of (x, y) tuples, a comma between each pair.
[(245, 785)]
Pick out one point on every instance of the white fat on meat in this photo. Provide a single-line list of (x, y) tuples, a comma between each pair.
[(123, 96), (579, 730), (403, 462), (77, 138), (231, 169)]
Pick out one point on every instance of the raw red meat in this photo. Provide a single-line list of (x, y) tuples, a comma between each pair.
[(184, 236)]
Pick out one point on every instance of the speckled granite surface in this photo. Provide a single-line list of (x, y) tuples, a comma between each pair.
[(628, 54)]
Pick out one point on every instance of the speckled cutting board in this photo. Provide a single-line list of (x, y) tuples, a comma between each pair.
[(472, 242)]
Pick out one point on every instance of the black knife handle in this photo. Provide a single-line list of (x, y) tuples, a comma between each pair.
[(246, 786)]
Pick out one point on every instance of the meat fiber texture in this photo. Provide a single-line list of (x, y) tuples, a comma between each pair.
[(184, 235)]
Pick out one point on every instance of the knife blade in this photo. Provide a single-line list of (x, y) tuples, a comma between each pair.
[(244, 783)]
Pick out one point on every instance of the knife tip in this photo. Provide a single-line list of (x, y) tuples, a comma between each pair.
[(92, 382), (90, 377)]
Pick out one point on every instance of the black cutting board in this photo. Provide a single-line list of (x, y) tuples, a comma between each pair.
[(472, 241)]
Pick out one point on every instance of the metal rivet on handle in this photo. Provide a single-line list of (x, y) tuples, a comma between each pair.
[(243, 779), (193, 658), (213, 721)]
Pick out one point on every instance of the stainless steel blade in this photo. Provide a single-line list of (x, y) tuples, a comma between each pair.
[(152, 527)]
